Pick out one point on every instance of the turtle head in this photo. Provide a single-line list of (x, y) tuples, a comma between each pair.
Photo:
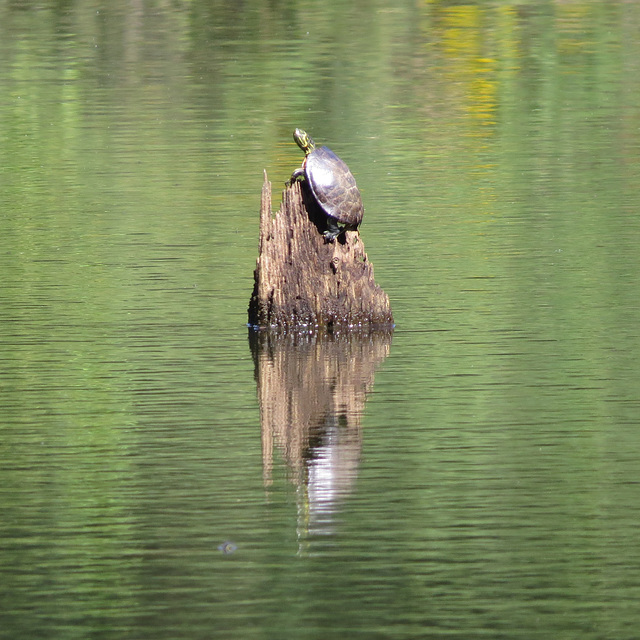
[(304, 141)]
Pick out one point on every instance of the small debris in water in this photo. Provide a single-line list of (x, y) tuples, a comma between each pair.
[(227, 547)]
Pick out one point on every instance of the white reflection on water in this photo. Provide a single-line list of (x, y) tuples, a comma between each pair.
[(331, 471)]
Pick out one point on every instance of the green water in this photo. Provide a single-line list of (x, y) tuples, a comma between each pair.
[(475, 476)]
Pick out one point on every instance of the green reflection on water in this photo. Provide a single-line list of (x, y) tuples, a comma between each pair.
[(496, 146)]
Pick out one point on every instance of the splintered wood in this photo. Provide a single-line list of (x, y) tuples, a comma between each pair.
[(301, 281)]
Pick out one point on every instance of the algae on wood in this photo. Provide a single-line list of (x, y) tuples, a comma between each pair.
[(303, 281)]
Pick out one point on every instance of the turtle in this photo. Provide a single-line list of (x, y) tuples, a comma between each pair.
[(332, 184)]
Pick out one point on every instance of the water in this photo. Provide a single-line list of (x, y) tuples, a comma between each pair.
[(475, 474)]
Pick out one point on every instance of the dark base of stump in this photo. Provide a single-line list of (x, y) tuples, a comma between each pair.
[(304, 282)]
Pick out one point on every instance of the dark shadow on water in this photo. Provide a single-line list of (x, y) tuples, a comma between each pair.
[(312, 390)]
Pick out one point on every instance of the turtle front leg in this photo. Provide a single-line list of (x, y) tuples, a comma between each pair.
[(298, 174)]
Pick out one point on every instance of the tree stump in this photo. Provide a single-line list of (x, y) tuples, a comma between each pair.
[(301, 281)]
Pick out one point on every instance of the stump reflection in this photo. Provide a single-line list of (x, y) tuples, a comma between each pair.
[(312, 391)]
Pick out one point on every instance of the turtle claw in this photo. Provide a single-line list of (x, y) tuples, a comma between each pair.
[(330, 235)]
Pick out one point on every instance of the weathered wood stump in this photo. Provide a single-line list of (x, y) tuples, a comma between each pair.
[(303, 281)]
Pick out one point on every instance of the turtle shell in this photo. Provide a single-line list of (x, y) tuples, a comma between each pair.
[(334, 186)]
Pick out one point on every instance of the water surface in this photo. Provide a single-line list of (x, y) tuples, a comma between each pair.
[(474, 475)]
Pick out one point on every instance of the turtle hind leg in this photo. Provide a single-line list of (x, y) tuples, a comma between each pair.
[(332, 231)]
